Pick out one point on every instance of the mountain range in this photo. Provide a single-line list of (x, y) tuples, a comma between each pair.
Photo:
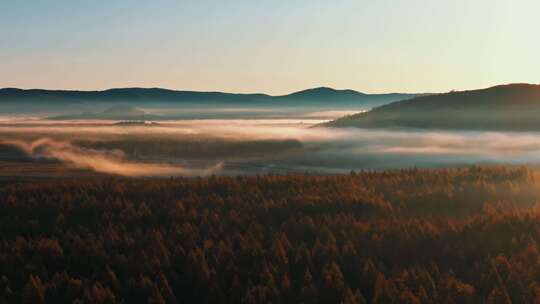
[(144, 95), (512, 107)]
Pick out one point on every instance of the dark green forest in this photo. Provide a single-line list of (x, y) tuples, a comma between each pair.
[(466, 235)]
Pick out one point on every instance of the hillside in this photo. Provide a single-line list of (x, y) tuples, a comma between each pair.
[(119, 94), (115, 112), (325, 95), (513, 107)]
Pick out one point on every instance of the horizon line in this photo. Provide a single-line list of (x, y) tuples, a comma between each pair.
[(258, 93)]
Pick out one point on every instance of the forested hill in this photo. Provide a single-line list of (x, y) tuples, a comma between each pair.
[(325, 95), (120, 94), (513, 107)]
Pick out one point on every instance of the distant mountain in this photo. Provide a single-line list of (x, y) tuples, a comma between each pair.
[(144, 95), (120, 95), (512, 107), (325, 94), (117, 112)]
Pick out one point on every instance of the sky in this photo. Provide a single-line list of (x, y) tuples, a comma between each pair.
[(273, 47)]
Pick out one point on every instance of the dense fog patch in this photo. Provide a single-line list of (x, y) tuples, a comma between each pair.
[(248, 146)]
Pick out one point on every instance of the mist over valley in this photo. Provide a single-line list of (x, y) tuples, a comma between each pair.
[(188, 139)]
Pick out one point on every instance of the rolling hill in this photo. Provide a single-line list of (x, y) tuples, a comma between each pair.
[(512, 107), (325, 95), (116, 112), (37, 98)]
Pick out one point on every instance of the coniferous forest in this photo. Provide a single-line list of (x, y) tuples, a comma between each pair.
[(465, 235)]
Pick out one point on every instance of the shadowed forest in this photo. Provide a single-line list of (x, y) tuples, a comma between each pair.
[(465, 235)]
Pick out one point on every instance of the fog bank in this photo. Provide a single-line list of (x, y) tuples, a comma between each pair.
[(110, 162)]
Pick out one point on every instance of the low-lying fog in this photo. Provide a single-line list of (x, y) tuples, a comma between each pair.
[(248, 146)]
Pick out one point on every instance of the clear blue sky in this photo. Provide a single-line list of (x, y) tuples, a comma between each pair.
[(269, 46)]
